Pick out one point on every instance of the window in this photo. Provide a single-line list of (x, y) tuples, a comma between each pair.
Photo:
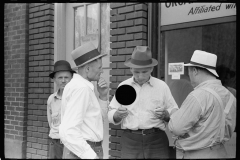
[(87, 24)]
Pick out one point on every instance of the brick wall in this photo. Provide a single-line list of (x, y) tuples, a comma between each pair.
[(41, 55), (128, 23), (15, 78)]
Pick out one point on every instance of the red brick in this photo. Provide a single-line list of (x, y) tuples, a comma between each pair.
[(9, 136), (32, 128), (42, 141), (31, 150), (114, 139), (29, 144), (113, 132), (113, 38), (29, 155), (113, 65), (117, 72), (113, 78), (125, 9), (13, 122), (113, 85), (125, 51), (14, 132), (45, 147), (128, 72), (125, 37), (42, 152), (116, 5), (117, 31), (36, 156), (37, 123), (36, 134), (136, 29), (121, 65), (36, 145), (113, 52), (31, 139), (140, 21), (19, 118), (113, 12), (141, 7), (117, 58), (29, 134), (136, 43), (140, 36), (117, 45), (37, 101), (112, 146)]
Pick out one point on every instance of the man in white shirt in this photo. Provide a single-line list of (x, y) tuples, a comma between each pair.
[(61, 75), (143, 121), (81, 128), (207, 117)]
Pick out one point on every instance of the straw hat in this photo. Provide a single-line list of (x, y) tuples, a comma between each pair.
[(204, 60), (84, 54), (141, 58), (61, 65)]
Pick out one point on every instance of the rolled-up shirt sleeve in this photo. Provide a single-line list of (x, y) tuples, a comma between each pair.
[(183, 119), (112, 108), (72, 120)]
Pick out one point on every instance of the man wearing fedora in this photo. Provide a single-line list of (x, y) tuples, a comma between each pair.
[(143, 121), (207, 117), (61, 75), (81, 128)]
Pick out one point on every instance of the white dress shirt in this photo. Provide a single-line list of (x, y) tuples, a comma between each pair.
[(82, 117), (152, 94), (54, 114), (200, 118)]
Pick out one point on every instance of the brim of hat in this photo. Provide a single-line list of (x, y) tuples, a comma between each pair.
[(101, 55), (51, 75), (210, 70), (129, 64)]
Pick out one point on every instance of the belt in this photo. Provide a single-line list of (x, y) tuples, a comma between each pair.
[(143, 131), (57, 140), (95, 143)]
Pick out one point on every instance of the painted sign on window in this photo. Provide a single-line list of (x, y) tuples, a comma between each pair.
[(173, 13)]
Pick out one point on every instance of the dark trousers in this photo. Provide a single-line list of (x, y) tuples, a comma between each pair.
[(150, 146), (55, 149), (67, 154)]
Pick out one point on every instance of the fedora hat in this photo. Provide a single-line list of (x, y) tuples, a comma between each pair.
[(204, 60), (61, 65), (85, 54), (141, 58)]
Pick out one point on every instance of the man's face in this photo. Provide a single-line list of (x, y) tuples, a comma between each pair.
[(95, 70), (141, 75), (61, 78)]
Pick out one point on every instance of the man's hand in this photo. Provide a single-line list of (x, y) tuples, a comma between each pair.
[(162, 114), (121, 113), (102, 88)]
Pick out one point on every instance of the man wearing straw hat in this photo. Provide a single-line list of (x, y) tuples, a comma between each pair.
[(61, 75), (207, 117), (81, 129), (143, 121)]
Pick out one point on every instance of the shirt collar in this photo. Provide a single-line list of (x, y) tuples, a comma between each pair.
[(56, 94), (89, 84), (149, 82), (205, 83)]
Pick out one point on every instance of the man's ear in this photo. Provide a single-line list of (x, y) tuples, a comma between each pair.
[(195, 71)]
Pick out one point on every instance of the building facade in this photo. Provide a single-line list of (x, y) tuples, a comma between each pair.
[(38, 34)]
